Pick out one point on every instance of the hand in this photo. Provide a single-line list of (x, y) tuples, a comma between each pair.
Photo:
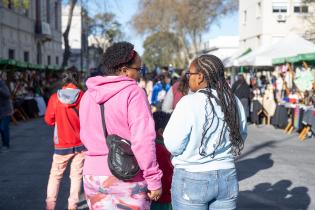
[(155, 195)]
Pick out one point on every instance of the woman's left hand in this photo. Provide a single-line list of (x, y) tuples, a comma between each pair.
[(155, 195)]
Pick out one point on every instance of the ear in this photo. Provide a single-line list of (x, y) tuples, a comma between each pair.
[(123, 71), (201, 78)]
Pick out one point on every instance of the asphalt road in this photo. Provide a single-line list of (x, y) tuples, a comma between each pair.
[(276, 171)]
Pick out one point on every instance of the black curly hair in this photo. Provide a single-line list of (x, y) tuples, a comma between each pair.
[(213, 71), (70, 76), (118, 55)]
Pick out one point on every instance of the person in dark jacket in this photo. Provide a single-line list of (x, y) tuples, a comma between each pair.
[(242, 90), (6, 110)]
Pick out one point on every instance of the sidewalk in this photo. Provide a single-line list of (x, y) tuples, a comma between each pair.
[(275, 170), (25, 168)]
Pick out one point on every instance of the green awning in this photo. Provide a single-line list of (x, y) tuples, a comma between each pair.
[(248, 50), (307, 57), (277, 61), (53, 67), (21, 64), (15, 64), (35, 66), (11, 64), (8, 62), (310, 57)]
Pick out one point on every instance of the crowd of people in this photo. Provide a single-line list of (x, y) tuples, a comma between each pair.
[(183, 149)]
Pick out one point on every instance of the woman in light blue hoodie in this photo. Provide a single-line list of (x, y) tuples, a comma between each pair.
[(206, 131)]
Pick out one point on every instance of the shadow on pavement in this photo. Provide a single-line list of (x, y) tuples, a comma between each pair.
[(266, 196), (269, 144), (249, 167)]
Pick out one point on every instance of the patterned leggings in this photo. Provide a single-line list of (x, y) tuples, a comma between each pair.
[(109, 193)]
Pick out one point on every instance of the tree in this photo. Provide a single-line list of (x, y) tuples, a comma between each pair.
[(187, 19), (67, 51), (162, 48), (104, 29)]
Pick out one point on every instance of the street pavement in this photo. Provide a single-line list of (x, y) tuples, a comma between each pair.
[(276, 170)]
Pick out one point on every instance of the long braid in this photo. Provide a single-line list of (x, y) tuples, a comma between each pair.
[(213, 70)]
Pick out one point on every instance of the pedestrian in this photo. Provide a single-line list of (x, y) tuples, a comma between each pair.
[(176, 92), (242, 90), (6, 110), (127, 114), (205, 132), (160, 89), (164, 161), (63, 113)]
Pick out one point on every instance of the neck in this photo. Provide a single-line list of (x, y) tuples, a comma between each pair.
[(203, 85)]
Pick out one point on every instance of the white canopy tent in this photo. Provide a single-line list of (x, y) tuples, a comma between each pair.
[(233, 59), (290, 45)]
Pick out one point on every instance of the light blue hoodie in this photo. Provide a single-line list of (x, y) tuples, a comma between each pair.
[(183, 134)]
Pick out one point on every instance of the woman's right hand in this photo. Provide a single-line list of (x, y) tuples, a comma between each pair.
[(155, 195)]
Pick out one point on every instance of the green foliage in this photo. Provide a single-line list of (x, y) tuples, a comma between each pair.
[(25, 4), (187, 19), (162, 49), (105, 26), (16, 3)]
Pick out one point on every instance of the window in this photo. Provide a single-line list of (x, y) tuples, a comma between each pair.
[(48, 11), (26, 56), (11, 54), (57, 60), (56, 15), (279, 7), (258, 10), (39, 53), (48, 60), (244, 17), (300, 8)]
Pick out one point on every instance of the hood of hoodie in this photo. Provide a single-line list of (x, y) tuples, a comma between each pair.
[(69, 94), (103, 88)]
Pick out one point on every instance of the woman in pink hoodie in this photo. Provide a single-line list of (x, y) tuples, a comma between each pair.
[(127, 114)]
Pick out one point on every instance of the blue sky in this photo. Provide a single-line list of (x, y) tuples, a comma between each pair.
[(125, 9)]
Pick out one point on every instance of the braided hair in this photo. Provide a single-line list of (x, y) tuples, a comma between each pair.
[(213, 70), (118, 55)]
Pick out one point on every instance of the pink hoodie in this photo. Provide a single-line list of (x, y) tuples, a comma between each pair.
[(127, 114)]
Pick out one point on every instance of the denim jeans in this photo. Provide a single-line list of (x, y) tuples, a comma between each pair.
[(5, 130), (212, 190)]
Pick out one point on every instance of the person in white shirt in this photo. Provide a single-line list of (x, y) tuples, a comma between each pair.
[(206, 131)]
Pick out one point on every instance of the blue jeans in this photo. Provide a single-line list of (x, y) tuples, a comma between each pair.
[(212, 190), (5, 130)]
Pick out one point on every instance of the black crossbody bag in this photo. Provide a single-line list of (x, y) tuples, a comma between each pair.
[(122, 162)]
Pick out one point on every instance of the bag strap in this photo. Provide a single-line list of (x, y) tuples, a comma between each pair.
[(103, 120)]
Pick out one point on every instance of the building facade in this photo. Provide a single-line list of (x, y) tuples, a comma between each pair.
[(264, 22), (222, 46), (78, 37), (30, 31)]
